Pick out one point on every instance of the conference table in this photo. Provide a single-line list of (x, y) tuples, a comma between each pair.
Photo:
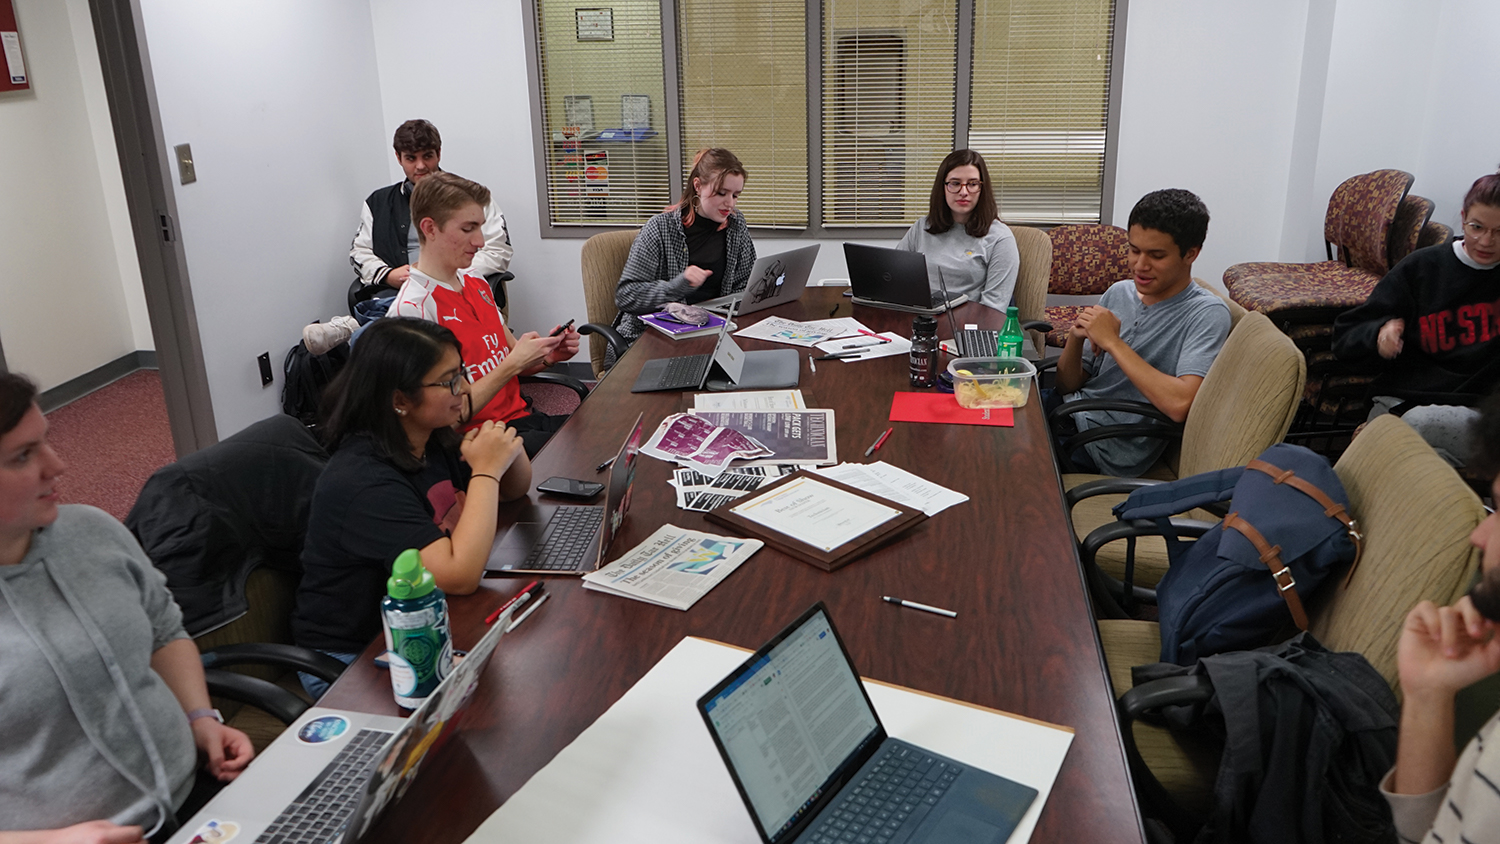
[(1023, 641)]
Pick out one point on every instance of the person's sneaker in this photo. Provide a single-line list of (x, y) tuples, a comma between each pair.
[(322, 336)]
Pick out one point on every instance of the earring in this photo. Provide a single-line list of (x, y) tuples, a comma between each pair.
[(400, 412)]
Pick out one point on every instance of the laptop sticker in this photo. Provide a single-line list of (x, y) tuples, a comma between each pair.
[(215, 832), (323, 729)]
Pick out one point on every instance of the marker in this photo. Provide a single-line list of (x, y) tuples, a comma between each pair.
[(524, 593), (811, 366), (839, 356), (867, 344), (878, 443), (908, 604), (529, 610), (605, 465)]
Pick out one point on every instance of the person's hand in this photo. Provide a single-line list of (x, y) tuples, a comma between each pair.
[(1389, 342), (567, 346), (696, 275), (1444, 649), (398, 276), (1100, 325), (89, 832), (531, 350), (228, 749), (490, 449)]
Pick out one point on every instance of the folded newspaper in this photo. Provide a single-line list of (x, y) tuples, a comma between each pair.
[(673, 567), (700, 445)]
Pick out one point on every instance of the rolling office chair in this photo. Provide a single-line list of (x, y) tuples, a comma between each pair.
[(603, 259)]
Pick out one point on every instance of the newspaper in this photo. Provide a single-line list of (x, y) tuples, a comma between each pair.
[(700, 444), (789, 436), (782, 330), (700, 493), (673, 567)]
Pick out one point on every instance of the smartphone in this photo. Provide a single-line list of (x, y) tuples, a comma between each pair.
[(570, 487), (561, 328)]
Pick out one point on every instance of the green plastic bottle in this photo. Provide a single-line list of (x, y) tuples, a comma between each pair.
[(1011, 338), (417, 642)]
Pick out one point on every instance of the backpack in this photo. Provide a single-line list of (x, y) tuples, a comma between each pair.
[(306, 376), (1242, 581)]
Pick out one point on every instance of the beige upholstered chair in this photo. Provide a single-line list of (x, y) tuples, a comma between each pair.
[(1244, 406), (1031, 284), (603, 258), (1236, 313), (1416, 514)]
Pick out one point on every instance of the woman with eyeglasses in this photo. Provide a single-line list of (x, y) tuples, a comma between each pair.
[(962, 234), (1431, 328), (400, 477)]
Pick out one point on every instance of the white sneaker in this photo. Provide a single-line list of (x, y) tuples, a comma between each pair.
[(320, 337)]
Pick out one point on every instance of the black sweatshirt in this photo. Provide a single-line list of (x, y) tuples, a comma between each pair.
[(1451, 347)]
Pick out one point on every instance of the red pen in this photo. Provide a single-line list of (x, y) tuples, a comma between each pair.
[(878, 443), (492, 617)]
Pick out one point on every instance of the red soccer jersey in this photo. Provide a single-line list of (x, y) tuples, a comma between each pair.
[(474, 319)]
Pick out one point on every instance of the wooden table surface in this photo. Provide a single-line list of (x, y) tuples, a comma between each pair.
[(1023, 641)]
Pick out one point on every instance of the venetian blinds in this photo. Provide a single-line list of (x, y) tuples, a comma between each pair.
[(888, 98), (1039, 100), (743, 83), (603, 112)]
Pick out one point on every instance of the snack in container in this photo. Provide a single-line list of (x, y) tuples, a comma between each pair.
[(992, 382)]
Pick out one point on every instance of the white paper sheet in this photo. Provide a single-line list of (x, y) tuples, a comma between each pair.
[(898, 345), (887, 481), (647, 771), (15, 64), (781, 330), (816, 514), (751, 400)]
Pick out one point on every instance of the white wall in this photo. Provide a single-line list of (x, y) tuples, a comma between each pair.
[(1461, 139), (279, 100), (66, 311)]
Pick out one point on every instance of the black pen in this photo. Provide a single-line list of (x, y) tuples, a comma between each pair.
[(605, 465), (840, 356)]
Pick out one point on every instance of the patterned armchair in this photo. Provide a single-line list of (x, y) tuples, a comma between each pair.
[(1359, 222), (1406, 230), (1086, 260)]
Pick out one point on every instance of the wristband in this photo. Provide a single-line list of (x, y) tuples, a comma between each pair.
[(205, 713), (484, 475)]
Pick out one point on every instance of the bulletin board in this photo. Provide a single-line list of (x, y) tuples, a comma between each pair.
[(13, 73)]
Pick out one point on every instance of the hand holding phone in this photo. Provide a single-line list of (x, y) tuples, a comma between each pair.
[(561, 328)]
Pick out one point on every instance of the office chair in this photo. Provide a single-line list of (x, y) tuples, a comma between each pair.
[(1244, 406), (1416, 515), (1086, 260), (1030, 294), (603, 259)]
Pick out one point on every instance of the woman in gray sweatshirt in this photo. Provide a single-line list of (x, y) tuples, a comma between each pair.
[(962, 234)]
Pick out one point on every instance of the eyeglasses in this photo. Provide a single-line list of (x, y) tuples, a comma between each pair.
[(455, 383), (1475, 230), (955, 186)]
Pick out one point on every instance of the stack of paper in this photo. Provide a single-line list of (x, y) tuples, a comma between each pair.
[(779, 330), (898, 485), (673, 567), (700, 493)]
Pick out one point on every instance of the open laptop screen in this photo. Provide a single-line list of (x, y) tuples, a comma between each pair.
[(791, 722)]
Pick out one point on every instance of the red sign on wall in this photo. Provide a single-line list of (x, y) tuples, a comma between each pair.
[(13, 73)]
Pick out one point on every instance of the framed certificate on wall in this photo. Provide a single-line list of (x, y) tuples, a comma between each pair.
[(596, 24), (13, 75)]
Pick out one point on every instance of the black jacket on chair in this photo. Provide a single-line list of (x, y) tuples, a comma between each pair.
[(213, 517)]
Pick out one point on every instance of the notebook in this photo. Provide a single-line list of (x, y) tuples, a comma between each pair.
[(568, 538), (741, 370), (774, 280), (894, 279), (328, 777), (813, 763)]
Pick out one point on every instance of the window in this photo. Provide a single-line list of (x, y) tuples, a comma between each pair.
[(841, 120)]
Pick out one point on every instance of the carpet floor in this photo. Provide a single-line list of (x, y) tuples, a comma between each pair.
[(112, 440)]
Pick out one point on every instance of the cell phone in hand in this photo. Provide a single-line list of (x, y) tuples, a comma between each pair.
[(570, 487), (561, 328)]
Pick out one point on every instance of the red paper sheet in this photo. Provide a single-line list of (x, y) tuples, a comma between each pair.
[(943, 408)]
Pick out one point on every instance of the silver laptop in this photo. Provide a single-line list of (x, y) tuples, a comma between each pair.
[(741, 370), (895, 279), (568, 538), (329, 776), (774, 280)]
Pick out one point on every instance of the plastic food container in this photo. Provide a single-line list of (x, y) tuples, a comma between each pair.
[(992, 382)]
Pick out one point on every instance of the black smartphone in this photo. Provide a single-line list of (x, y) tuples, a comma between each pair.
[(561, 328), (570, 487)]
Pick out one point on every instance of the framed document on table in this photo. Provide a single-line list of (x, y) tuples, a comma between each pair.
[(817, 520)]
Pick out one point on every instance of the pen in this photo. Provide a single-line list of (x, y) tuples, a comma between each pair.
[(878, 443), (867, 344), (542, 600), (909, 604), (834, 311), (605, 465), (839, 356), (490, 619), (811, 366)]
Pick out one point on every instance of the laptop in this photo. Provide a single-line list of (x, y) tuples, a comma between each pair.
[(774, 280), (971, 341), (741, 370), (813, 763), (894, 279), (328, 777), (568, 538)]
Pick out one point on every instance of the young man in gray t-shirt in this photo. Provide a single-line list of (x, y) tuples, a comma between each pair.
[(1151, 338)]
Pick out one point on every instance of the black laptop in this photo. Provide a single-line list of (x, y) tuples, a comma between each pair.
[(813, 763), (894, 279)]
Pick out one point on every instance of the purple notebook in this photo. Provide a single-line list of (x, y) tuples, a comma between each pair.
[(677, 330)]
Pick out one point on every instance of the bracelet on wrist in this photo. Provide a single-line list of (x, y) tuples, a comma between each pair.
[(205, 713), (483, 475)]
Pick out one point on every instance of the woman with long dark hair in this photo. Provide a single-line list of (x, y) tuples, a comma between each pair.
[(400, 477), (696, 250), (962, 234)]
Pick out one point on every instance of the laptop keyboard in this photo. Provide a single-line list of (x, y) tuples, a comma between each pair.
[(904, 782), (977, 342), (324, 807), (682, 372), (567, 537)]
